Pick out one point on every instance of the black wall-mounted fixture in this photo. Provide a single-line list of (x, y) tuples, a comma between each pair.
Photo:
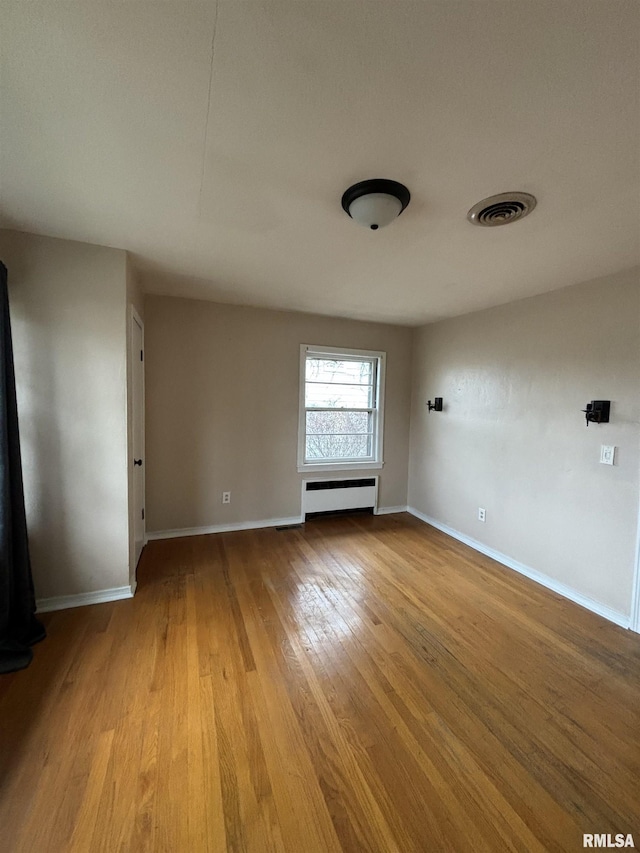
[(597, 412), (436, 406)]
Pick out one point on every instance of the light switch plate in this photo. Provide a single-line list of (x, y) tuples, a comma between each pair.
[(607, 454)]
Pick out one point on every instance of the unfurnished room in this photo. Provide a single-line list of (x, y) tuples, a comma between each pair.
[(319, 426)]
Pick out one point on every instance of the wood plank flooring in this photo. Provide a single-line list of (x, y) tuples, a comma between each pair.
[(361, 684)]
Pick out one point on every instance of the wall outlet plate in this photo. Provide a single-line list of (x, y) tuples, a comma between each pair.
[(607, 454), (482, 514), (226, 497)]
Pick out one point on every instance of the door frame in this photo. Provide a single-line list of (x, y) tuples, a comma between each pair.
[(136, 319), (634, 622)]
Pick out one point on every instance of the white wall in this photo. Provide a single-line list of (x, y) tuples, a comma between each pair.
[(512, 437), (222, 409), (68, 320)]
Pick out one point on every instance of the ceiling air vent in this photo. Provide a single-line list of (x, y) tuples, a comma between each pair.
[(501, 209)]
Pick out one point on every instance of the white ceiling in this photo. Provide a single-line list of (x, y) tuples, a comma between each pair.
[(222, 171)]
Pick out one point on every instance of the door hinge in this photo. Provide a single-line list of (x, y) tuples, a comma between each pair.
[(143, 514), (141, 356)]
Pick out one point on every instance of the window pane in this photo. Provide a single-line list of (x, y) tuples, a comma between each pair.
[(341, 401), (338, 396), (345, 423), (347, 372), (338, 447)]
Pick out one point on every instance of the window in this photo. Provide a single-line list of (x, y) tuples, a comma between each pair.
[(341, 408)]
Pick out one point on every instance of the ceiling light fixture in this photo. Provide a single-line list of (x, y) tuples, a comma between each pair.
[(375, 203)]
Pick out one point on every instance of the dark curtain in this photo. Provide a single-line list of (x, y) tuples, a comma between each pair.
[(19, 628)]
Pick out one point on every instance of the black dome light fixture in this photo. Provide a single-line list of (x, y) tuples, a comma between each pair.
[(375, 203)]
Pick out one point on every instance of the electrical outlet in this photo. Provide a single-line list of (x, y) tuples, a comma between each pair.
[(607, 454), (226, 497), (482, 514)]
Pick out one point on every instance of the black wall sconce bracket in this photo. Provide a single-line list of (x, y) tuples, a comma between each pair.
[(597, 412), (436, 406)]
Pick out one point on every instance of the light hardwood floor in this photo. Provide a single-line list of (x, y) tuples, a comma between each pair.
[(362, 684)]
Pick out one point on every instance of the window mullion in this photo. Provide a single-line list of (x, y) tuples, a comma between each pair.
[(370, 410)]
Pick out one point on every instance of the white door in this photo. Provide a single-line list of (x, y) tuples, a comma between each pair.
[(137, 359)]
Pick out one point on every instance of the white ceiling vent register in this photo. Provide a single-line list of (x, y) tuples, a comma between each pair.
[(501, 209)]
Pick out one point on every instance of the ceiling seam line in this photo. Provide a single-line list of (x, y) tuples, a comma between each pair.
[(206, 123)]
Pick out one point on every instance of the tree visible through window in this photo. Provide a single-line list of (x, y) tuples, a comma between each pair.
[(341, 407)]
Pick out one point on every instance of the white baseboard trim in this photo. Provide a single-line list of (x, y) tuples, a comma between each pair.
[(388, 510), (223, 528), (544, 580), (99, 596)]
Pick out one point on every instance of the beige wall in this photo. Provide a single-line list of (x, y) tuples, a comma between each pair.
[(512, 437), (222, 409), (67, 311)]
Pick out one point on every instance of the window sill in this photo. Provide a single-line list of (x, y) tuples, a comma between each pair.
[(328, 467)]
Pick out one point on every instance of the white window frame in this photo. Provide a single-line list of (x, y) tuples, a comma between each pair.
[(378, 411)]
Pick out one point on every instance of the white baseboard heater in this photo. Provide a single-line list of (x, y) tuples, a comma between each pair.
[(339, 494)]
